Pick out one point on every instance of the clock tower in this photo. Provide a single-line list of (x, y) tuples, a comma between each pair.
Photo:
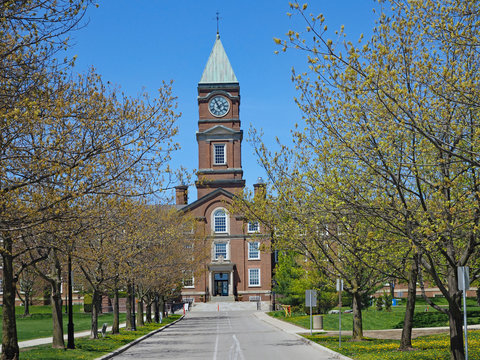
[(235, 268), (219, 135)]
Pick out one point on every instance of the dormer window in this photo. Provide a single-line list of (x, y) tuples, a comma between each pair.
[(219, 154)]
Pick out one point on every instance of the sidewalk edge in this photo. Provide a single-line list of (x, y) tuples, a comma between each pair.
[(272, 321), (136, 341), (335, 354)]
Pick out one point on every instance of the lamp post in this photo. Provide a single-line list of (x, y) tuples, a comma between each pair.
[(71, 337), (134, 324), (274, 284)]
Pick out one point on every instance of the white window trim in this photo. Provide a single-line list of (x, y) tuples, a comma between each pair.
[(193, 283), (227, 221), (227, 248), (258, 250), (259, 278), (253, 231), (224, 154)]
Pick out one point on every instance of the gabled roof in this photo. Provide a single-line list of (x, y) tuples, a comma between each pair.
[(218, 69), (208, 197), (220, 129), (220, 132)]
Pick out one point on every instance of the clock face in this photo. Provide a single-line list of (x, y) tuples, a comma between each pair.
[(219, 106)]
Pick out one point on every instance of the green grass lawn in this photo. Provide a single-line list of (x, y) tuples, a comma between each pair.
[(86, 348), (39, 324), (372, 319), (432, 347), (378, 320)]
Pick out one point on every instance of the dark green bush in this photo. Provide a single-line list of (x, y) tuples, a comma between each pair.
[(434, 318), (87, 303)]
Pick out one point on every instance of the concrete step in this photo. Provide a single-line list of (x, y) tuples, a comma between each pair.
[(230, 306), (216, 299)]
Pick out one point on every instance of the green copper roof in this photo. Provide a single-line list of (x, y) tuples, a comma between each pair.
[(218, 68)]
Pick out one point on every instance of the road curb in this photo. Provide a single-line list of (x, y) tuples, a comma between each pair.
[(136, 341), (277, 323), (335, 354)]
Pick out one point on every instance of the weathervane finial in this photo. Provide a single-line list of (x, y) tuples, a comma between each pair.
[(218, 21)]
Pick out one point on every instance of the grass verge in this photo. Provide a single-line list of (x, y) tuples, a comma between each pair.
[(86, 348), (372, 319), (378, 320), (431, 347), (39, 323)]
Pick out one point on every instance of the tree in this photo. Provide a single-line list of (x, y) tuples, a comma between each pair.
[(32, 32), (400, 112), (293, 276), (66, 139), (287, 275), (63, 136), (26, 289), (310, 219)]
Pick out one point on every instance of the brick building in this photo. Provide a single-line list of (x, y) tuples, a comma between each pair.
[(236, 269)]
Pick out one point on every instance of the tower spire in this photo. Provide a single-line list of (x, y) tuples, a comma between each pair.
[(218, 68), (218, 21)]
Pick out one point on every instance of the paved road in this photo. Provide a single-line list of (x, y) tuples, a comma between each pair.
[(233, 335)]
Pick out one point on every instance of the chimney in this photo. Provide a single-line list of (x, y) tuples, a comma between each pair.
[(181, 194), (259, 189)]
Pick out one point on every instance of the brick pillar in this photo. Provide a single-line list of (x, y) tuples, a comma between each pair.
[(181, 195), (259, 189)]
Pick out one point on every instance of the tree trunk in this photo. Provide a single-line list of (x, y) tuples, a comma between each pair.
[(162, 306), (10, 348), (56, 300), (148, 312), (140, 321), (156, 307), (96, 298), (128, 319), (116, 313), (26, 304), (357, 317), (457, 351), (406, 340)]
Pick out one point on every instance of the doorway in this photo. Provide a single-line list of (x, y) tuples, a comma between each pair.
[(220, 284)]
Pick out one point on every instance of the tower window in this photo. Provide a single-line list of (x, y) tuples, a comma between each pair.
[(220, 221), (219, 157)]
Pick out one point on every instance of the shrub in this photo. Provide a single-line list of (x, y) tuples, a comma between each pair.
[(387, 302), (87, 303), (326, 300), (47, 292)]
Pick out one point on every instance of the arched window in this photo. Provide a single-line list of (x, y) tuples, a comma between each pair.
[(220, 221)]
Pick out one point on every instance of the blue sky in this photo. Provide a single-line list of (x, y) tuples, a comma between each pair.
[(137, 44)]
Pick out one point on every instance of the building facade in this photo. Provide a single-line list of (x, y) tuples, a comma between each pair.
[(236, 268)]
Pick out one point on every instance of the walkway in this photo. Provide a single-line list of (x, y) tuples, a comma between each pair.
[(48, 340), (228, 335)]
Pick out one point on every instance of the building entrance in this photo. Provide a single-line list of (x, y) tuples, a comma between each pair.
[(221, 284)]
